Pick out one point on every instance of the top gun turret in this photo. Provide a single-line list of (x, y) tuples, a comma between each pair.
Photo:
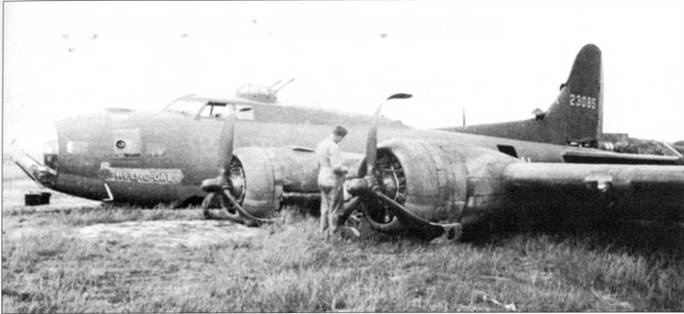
[(260, 93)]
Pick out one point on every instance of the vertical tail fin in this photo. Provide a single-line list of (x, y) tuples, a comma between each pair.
[(577, 113)]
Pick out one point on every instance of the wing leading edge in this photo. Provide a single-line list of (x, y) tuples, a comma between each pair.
[(598, 157)]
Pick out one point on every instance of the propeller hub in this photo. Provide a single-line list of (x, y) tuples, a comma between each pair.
[(358, 186), (389, 185)]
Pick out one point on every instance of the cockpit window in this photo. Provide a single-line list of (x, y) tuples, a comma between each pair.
[(186, 105), (216, 110), (220, 110), (211, 108)]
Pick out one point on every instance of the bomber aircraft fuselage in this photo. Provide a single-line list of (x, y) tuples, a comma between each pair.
[(162, 156), (425, 182)]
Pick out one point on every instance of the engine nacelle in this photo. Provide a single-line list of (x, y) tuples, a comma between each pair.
[(263, 177), (442, 181)]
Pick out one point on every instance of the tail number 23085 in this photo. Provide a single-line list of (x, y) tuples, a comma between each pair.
[(582, 101)]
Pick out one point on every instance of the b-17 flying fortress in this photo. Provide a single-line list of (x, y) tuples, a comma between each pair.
[(425, 182)]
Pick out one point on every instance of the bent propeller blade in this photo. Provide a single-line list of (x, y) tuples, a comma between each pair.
[(372, 138), (243, 213), (226, 143), (414, 222)]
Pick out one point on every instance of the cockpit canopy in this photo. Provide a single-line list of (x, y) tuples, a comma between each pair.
[(211, 108)]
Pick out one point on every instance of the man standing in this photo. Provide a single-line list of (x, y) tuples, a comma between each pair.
[(330, 180)]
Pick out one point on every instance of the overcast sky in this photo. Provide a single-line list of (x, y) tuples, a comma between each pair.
[(498, 60)]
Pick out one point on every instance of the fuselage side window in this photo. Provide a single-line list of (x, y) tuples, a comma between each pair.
[(126, 142), (508, 150), (245, 112), (77, 147)]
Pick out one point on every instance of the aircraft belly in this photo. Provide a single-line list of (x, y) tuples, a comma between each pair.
[(151, 194)]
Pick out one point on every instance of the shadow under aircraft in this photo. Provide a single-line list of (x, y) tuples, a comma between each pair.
[(425, 182)]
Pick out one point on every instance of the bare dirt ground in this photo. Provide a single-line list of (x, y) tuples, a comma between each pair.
[(193, 233)]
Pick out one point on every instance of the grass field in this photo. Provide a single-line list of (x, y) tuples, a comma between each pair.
[(80, 257), (50, 267)]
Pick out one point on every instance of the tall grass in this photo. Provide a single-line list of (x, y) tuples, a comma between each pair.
[(290, 268)]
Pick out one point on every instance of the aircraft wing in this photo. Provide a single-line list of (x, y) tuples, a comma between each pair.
[(598, 157), (637, 191)]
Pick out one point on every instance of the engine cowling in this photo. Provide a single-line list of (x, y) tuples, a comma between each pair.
[(442, 181), (263, 177)]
